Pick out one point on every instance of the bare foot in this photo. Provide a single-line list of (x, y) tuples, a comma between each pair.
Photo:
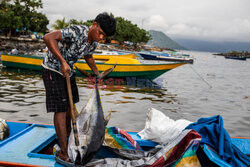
[(64, 157)]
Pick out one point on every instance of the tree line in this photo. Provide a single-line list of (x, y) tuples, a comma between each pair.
[(22, 17)]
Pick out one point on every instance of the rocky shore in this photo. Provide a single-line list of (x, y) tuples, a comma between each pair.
[(29, 45), (238, 54), (22, 44)]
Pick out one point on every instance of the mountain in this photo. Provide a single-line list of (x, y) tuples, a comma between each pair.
[(208, 46), (161, 40)]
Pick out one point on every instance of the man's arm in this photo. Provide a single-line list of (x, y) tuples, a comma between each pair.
[(51, 41), (91, 62)]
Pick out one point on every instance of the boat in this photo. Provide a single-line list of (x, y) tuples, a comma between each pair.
[(105, 55), (241, 57), (125, 67), (31, 144), (100, 55), (167, 57)]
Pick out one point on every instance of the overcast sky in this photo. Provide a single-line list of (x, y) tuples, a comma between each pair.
[(210, 20)]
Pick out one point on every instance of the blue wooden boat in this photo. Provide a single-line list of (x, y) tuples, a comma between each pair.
[(236, 57), (167, 57), (30, 144)]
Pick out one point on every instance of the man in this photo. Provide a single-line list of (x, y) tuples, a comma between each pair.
[(66, 46)]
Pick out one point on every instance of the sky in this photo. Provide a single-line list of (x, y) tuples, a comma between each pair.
[(208, 20)]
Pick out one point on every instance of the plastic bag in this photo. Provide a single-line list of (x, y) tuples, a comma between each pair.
[(160, 128), (4, 130)]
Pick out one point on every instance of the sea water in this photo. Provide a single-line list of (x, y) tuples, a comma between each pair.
[(211, 86)]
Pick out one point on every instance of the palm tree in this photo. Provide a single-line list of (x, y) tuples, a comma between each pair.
[(59, 24)]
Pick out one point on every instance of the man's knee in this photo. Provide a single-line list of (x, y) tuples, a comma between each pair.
[(60, 115)]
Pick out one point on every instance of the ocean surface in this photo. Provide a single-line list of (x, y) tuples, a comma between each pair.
[(211, 86)]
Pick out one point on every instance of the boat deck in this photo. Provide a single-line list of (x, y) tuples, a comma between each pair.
[(23, 147)]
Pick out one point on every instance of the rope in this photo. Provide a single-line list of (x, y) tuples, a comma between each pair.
[(200, 76)]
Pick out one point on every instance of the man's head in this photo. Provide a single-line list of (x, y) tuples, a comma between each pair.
[(107, 23), (104, 25)]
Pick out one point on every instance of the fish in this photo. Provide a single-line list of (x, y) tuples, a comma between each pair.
[(91, 126)]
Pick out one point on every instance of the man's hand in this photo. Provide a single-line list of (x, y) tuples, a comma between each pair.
[(91, 62), (97, 75), (65, 69)]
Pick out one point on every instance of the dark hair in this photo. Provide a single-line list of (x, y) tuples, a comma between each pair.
[(107, 23)]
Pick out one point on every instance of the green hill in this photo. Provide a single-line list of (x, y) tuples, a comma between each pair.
[(161, 40)]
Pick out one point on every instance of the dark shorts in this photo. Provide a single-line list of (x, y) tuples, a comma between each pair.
[(56, 91)]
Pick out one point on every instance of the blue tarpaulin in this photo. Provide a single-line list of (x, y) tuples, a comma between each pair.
[(213, 134)]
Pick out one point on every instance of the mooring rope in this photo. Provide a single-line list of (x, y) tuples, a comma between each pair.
[(200, 76)]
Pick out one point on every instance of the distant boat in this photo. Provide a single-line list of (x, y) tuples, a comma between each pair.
[(241, 57)]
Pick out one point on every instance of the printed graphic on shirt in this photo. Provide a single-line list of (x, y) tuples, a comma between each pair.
[(73, 46)]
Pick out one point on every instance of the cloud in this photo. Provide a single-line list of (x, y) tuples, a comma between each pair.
[(211, 20), (156, 22)]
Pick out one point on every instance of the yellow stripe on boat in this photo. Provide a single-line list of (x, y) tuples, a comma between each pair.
[(107, 57), (22, 59)]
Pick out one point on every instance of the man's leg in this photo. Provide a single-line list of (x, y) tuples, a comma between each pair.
[(68, 122), (61, 131)]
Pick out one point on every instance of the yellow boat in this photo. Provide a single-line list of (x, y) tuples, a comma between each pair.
[(107, 57), (126, 67)]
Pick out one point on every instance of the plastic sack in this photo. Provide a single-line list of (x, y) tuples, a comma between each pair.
[(4, 130), (160, 128)]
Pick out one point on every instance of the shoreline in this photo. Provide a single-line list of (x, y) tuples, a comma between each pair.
[(229, 53), (26, 45), (23, 45)]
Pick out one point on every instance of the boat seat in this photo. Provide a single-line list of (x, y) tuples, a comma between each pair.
[(15, 127), (29, 142)]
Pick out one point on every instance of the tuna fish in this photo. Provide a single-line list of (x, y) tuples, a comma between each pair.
[(91, 125)]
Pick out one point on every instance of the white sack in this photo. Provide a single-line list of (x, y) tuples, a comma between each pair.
[(160, 128), (4, 130)]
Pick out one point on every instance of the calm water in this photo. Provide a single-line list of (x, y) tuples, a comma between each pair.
[(212, 85)]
